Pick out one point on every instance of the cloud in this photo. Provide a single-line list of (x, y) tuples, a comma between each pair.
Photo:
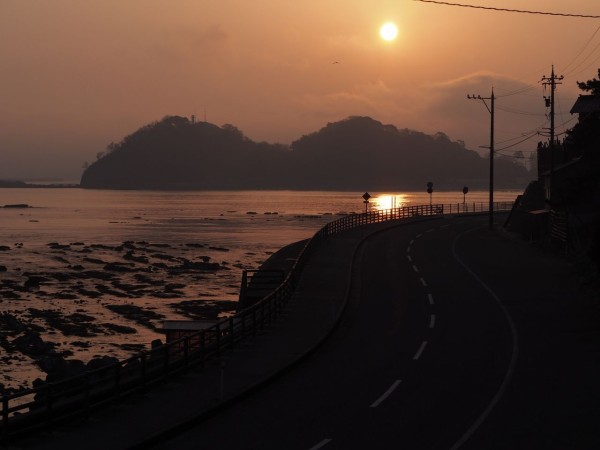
[(519, 108), (375, 99)]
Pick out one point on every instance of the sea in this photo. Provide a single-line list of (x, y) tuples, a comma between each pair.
[(88, 274)]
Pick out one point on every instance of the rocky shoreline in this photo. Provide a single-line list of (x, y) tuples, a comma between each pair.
[(69, 307)]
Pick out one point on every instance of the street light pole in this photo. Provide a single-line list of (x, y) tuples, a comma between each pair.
[(490, 109)]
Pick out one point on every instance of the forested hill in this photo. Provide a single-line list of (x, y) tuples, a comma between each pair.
[(354, 154)]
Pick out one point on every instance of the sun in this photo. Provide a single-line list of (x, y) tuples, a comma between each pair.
[(388, 31)]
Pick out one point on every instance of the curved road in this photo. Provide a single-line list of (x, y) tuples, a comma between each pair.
[(423, 353)]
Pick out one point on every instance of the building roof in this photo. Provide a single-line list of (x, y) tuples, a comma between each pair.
[(586, 104)]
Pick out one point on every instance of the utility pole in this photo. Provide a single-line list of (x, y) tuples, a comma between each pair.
[(490, 109), (552, 81)]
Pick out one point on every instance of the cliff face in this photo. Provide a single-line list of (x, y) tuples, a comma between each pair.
[(356, 153)]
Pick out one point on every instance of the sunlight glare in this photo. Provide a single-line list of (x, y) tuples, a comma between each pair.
[(388, 31), (384, 202)]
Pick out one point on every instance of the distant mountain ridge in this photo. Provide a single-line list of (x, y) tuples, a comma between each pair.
[(353, 154)]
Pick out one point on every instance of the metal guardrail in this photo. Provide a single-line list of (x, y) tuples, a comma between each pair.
[(46, 405)]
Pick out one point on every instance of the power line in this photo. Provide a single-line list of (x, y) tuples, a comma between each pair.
[(517, 143), (522, 11), (581, 51), (520, 112), (517, 91), (527, 134)]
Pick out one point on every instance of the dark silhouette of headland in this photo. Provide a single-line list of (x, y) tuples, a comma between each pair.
[(179, 153)]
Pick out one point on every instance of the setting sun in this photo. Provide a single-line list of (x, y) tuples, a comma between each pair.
[(388, 31)]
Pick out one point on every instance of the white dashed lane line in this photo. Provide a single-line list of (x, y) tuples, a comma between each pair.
[(432, 321), (321, 444), (420, 351), (409, 258), (423, 282), (430, 298), (386, 394), (415, 268)]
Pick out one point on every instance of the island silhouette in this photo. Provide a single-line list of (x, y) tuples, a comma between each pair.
[(354, 153)]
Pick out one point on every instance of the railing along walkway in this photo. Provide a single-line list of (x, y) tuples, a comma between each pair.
[(46, 405)]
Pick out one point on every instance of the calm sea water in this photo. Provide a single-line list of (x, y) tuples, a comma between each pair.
[(221, 216), (236, 229)]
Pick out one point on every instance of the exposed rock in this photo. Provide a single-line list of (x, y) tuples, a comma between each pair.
[(101, 361), (30, 343), (203, 309), (34, 281), (58, 368), (10, 324), (121, 329), (96, 274), (94, 260), (119, 267), (137, 314), (139, 259)]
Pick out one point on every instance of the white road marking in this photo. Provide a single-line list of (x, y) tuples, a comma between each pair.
[(420, 351), (412, 241), (423, 282), (430, 297), (321, 444), (408, 249), (432, 321), (409, 258), (415, 268), (513, 359), (386, 394), (419, 235), (431, 230)]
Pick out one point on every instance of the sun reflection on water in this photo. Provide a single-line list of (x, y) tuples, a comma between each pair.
[(384, 202)]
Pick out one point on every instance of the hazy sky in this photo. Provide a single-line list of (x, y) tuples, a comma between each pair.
[(78, 74)]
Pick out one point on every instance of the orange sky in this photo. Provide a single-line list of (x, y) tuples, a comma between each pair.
[(76, 75)]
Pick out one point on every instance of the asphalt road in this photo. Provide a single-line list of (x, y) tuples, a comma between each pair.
[(428, 355)]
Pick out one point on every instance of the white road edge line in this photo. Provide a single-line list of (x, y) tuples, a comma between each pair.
[(321, 444), (513, 359), (432, 321), (420, 351), (386, 394), (423, 282), (430, 297)]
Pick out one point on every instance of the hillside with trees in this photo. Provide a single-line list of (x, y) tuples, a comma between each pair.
[(353, 154)]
